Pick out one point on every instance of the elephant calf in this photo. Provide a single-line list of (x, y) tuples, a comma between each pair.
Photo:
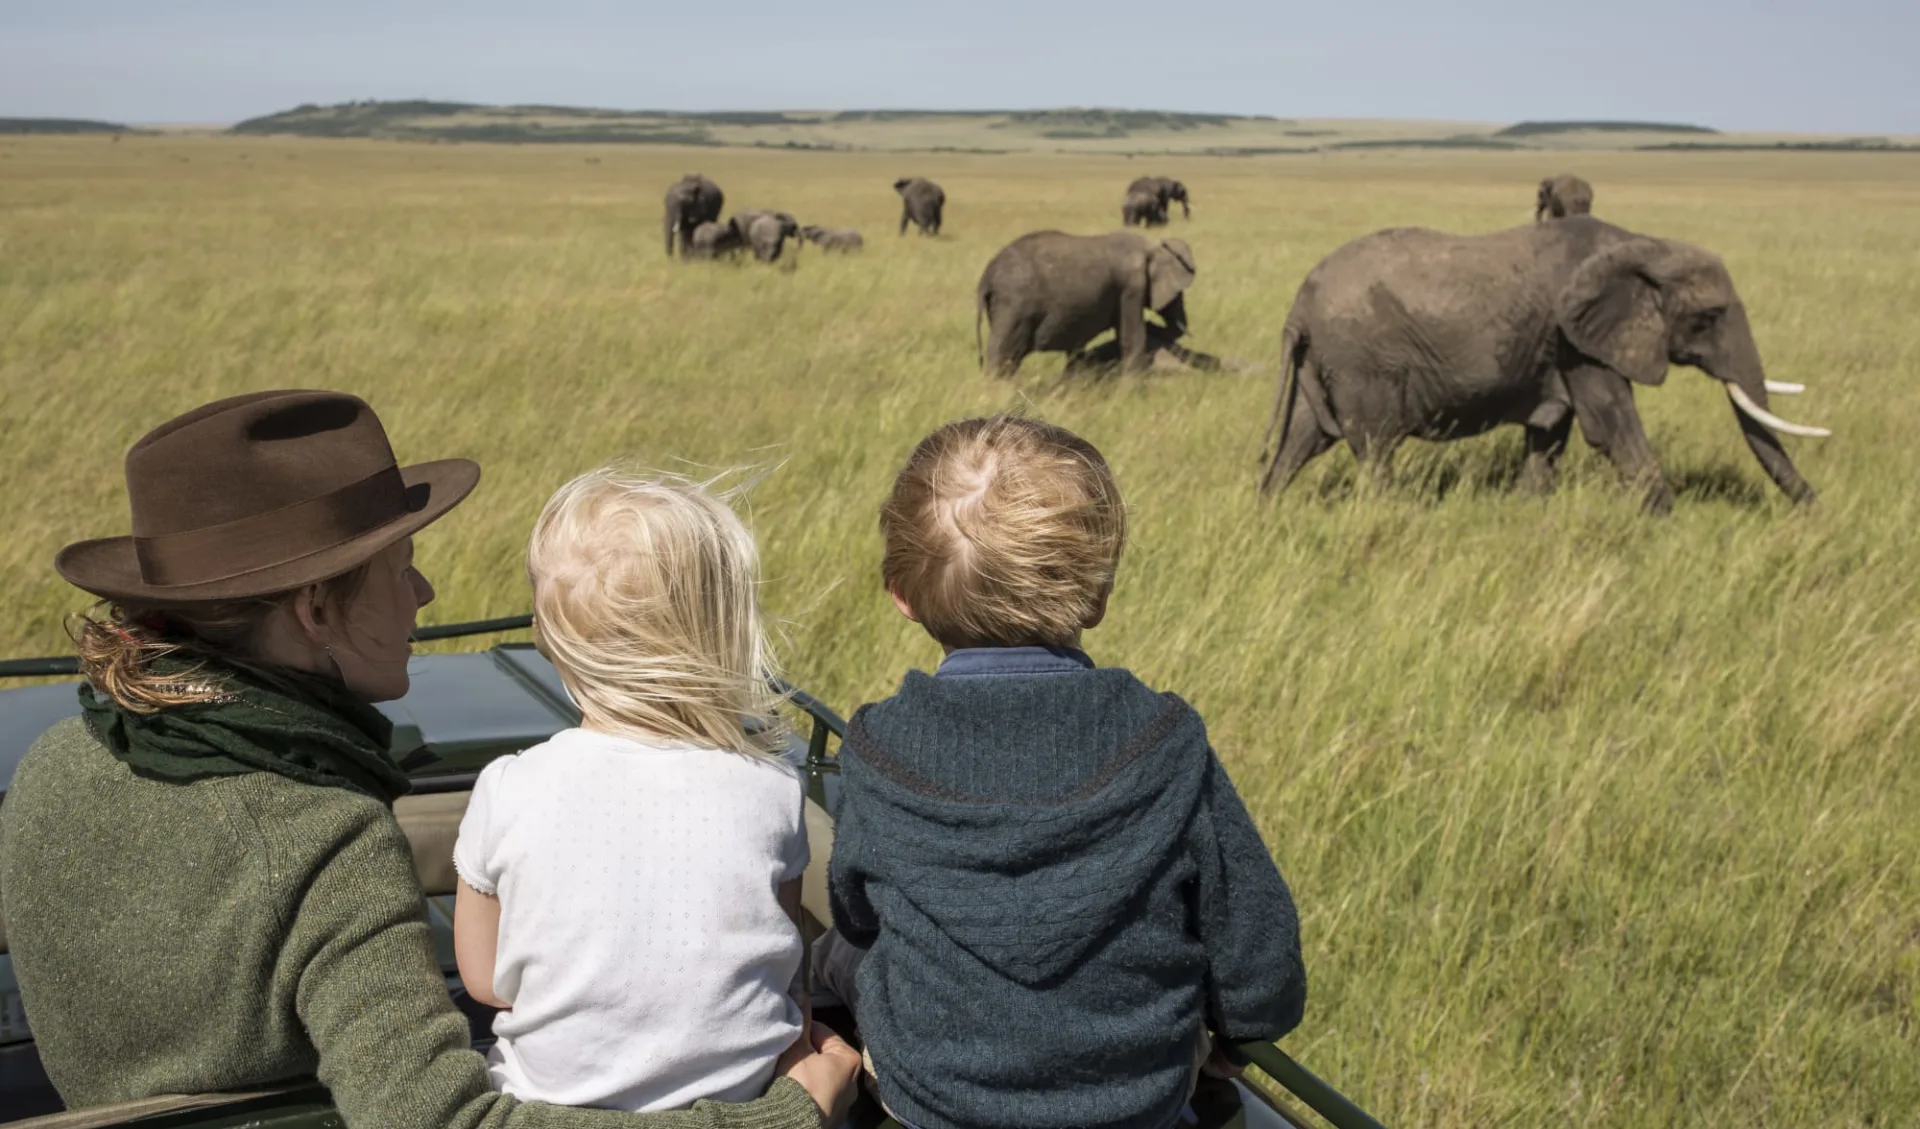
[(769, 232), (1164, 190), (1143, 209), (1412, 332), (1054, 292), (843, 239), (711, 240), (1562, 196), (921, 202)]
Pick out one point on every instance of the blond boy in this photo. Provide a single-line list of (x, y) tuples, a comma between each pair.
[(1058, 888)]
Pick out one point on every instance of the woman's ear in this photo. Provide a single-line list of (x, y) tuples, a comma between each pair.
[(900, 602), (310, 613)]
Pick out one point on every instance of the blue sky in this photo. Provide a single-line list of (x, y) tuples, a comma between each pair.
[(1834, 66)]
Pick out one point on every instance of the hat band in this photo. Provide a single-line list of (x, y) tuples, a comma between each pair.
[(222, 552)]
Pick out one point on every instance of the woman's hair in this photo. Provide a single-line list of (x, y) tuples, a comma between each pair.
[(119, 643), (645, 598), (1003, 531)]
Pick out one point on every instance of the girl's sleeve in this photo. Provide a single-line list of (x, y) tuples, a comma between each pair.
[(473, 853), (796, 852), (391, 1047), (1256, 980)]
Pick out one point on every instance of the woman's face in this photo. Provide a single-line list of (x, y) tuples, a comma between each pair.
[(370, 645)]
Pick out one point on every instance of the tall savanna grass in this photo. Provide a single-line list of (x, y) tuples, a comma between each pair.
[(1593, 819)]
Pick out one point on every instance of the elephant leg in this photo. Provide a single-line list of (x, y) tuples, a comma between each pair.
[(1547, 433), (1374, 451), (906, 213), (1305, 442), (1132, 333), (1603, 401), (1008, 343)]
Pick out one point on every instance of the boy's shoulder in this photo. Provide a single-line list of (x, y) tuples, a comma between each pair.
[(1106, 688)]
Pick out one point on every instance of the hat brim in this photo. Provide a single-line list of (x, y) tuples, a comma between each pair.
[(108, 567)]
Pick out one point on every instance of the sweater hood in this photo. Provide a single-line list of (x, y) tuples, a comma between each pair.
[(1027, 880)]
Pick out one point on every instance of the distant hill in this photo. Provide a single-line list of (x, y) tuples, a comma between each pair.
[(1120, 132), (59, 125), (1537, 129)]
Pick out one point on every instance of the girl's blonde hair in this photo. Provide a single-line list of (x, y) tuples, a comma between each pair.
[(645, 598)]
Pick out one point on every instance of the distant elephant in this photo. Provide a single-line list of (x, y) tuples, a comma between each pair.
[(1164, 189), (691, 202), (711, 240), (1053, 292), (844, 239), (1562, 196), (769, 234), (1412, 332), (1143, 209), (921, 203)]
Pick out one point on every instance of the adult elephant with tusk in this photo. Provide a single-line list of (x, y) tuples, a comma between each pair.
[(1412, 332), (691, 201)]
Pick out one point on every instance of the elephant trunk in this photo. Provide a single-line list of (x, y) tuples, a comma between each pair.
[(1746, 386), (1175, 315)]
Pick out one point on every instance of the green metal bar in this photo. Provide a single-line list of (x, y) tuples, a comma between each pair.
[(477, 627), (40, 668), (1303, 1084)]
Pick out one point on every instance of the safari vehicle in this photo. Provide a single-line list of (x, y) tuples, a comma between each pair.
[(462, 711)]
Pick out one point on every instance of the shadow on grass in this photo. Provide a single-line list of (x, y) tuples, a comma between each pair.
[(1720, 482)]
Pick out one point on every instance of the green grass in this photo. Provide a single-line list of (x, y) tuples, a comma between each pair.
[(1593, 819)]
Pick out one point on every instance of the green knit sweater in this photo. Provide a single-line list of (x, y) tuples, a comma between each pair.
[(235, 931)]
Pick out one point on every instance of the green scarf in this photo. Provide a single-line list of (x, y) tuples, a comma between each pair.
[(315, 732)]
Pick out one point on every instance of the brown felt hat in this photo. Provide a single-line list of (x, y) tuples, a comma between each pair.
[(261, 494)]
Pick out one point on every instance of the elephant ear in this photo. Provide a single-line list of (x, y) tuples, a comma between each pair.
[(901, 184), (1169, 272), (1613, 309)]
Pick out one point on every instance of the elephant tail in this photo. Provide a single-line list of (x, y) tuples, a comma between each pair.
[(1292, 346), (979, 309)]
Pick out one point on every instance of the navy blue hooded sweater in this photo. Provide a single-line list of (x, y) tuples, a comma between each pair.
[(1058, 886)]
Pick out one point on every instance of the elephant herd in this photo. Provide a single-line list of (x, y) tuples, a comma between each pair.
[(1404, 333), (694, 204)]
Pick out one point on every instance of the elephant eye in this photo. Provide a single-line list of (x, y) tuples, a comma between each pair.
[(1704, 321)]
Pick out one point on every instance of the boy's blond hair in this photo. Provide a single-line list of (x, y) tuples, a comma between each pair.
[(1003, 531), (645, 599)]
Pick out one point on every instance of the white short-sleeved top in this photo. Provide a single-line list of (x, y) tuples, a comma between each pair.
[(642, 944)]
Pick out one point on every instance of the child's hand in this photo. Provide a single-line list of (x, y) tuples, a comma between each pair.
[(1217, 1064), (825, 1066)]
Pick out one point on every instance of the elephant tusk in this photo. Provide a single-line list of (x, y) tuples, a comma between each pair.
[(1783, 388), (1761, 415)]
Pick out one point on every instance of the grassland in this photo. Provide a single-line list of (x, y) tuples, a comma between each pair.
[(1593, 819)]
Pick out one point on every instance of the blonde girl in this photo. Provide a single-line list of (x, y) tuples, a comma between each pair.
[(630, 888)]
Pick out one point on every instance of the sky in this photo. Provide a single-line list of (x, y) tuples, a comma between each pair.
[(1835, 66)]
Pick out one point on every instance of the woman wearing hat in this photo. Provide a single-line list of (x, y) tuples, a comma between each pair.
[(205, 886)]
